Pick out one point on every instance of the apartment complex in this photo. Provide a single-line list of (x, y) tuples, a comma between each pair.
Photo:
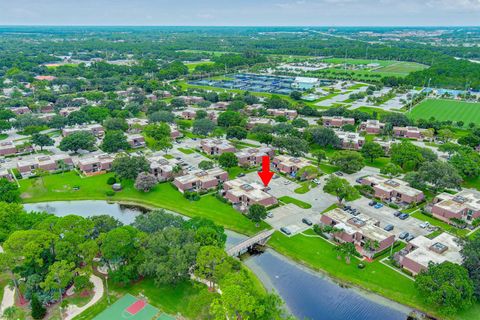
[(97, 164), (420, 251), (136, 140), (393, 190), (409, 132), (8, 148), (242, 194), (289, 165), (350, 140), (372, 126), (360, 230), (200, 180), (464, 205), (288, 113), (216, 146), (95, 129), (48, 163), (164, 169), (336, 121), (253, 156)]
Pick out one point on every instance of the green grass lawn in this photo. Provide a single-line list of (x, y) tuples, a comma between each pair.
[(60, 187), (305, 186), (186, 151), (401, 68), (438, 223), (299, 203), (447, 110)]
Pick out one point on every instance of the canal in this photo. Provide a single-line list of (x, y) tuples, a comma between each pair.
[(307, 294)]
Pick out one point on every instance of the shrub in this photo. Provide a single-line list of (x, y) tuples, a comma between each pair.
[(111, 181), (110, 193), (38, 310), (82, 283), (191, 195), (393, 205)]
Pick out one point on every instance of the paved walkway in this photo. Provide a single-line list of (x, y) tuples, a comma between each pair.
[(98, 289), (8, 299)]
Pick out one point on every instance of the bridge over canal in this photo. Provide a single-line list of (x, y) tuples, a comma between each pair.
[(258, 239)]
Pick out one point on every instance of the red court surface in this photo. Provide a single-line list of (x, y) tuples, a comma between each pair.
[(135, 307)]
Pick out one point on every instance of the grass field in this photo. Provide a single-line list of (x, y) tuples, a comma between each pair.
[(402, 68), (447, 110), (298, 203), (386, 67)]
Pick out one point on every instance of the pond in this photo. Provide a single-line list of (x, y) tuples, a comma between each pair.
[(307, 294)]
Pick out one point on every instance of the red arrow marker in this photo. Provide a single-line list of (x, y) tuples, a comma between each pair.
[(266, 175)]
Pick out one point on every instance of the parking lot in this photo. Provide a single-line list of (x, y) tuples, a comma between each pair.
[(385, 216), (290, 216)]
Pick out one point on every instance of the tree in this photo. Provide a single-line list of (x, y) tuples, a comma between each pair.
[(296, 95), (78, 140), (467, 163), (212, 264), (103, 224), (128, 167), (406, 155), (205, 165), (207, 233), (257, 213), (295, 146), (345, 249), (324, 137), (115, 124), (38, 310), (59, 275), (236, 132), (9, 191), (162, 116), (42, 140), (319, 155), (471, 261), (341, 188), (157, 220), (446, 286), (203, 127), (169, 255), (228, 160), (391, 170), (440, 175), (445, 135), (230, 118), (158, 131), (372, 150), (114, 141), (145, 181), (348, 161)]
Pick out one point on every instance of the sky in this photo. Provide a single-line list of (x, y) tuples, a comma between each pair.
[(241, 12)]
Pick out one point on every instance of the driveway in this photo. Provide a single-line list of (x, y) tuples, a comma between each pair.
[(74, 311), (385, 216)]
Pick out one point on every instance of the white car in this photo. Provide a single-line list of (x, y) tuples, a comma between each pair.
[(425, 224)]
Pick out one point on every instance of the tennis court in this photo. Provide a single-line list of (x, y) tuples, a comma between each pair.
[(129, 307)]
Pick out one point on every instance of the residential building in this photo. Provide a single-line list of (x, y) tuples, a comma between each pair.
[(372, 126), (289, 114), (200, 180), (242, 194), (394, 190), (253, 156), (419, 252), (361, 230), (97, 164), (64, 112), (252, 122), (250, 109), (464, 205), (95, 129), (337, 121), (136, 140), (5, 174), (164, 169), (188, 114), (8, 148), (49, 108), (216, 146), (136, 125), (174, 132), (409, 132), (289, 165), (51, 163), (191, 99), (221, 105), (20, 110), (350, 140)]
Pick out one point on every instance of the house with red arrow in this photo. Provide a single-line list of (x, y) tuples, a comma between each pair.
[(242, 194)]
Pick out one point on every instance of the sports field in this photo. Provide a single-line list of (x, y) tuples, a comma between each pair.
[(447, 110), (401, 68), (129, 307)]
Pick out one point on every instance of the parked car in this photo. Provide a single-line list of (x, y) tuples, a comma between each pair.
[(270, 215), (307, 221), (403, 235), (372, 203), (410, 238), (425, 224), (359, 180), (346, 208), (403, 216), (286, 231), (378, 205), (275, 176), (388, 227), (397, 213), (316, 181), (241, 175), (338, 173)]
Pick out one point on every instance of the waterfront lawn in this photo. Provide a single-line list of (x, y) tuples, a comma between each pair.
[(61, 187), (319, 254), (298, 203)]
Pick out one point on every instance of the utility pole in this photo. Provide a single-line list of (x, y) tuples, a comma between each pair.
[(106, 286)]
